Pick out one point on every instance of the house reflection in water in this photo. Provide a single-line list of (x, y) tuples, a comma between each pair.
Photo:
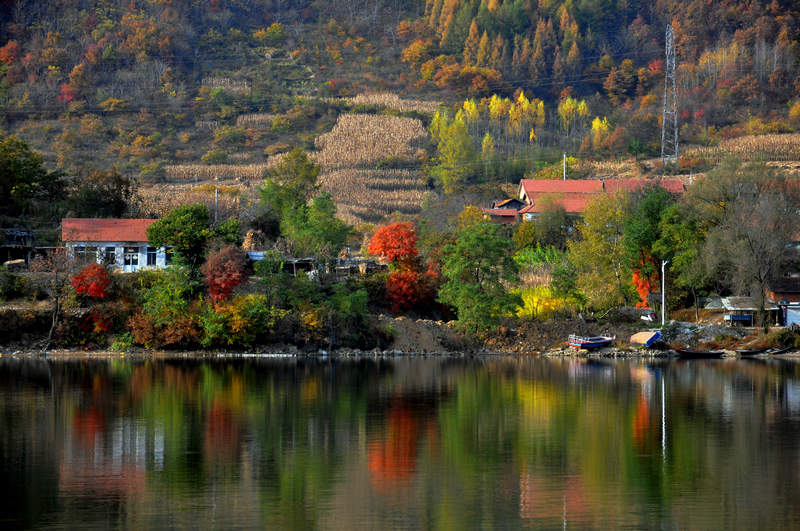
[(109, 463)]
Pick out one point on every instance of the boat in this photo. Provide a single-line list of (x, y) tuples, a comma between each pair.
[(645, 339), (776, 351), (750, 351), (686, 353), (590, 342)]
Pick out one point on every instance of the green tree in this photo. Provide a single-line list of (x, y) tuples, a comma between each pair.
[(289, 186), (600, 258), (103, 194), (643, 227), (552, 223), (476, 269), (680, 241), (187, 230), (23, 178), (315, 229)]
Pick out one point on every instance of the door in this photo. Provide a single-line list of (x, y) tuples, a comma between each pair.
[(131, 259)]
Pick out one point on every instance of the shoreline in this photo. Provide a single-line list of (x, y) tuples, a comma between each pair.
[(282, 352)]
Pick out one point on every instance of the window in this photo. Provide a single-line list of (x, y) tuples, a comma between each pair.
[(85, 254), (151, 256), (110, 255), (168, 257), (131, 256)]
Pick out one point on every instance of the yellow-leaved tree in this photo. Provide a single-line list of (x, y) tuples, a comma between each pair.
[(601, 262)]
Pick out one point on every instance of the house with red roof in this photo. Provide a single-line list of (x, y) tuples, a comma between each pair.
[(573, 195), (119, 243)]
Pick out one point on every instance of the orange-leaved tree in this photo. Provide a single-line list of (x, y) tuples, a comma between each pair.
[(396, 243)]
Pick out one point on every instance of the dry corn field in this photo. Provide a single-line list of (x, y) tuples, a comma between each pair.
[(359, 140), (231, 85), (203, 172), (371, 195), (389, 100), (258, 120), (159, 200), (784, 147), (616, 169)]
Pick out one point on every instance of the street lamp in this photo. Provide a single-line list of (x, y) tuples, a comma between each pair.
[(663, 293)]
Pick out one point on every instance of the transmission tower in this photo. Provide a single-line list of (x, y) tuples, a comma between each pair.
[(669, 123)]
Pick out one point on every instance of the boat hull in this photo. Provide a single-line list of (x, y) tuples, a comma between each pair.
[(590, 343), (699, 354)]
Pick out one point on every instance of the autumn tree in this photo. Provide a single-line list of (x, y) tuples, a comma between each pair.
[(642, 230), (53, 272), (92, 281), (10, 52), (600, 259), (457, 154), (754, 218), (223, 271), (396, 243)]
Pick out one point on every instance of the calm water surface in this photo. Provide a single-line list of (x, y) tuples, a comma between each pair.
[(431, 443)]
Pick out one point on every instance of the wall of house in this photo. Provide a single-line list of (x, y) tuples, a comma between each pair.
[(122, 261)]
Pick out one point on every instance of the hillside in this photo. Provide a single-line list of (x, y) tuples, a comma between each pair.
[(187, 98)]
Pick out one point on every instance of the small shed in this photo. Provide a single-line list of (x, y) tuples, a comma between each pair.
[(742, 311)]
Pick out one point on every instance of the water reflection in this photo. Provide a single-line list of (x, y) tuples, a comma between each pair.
[(439, 443)]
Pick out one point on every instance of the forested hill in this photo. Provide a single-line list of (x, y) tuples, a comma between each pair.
[(146, 83), (78, 50)]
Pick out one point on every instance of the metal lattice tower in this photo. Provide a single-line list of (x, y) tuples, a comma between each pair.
[(669, 123)]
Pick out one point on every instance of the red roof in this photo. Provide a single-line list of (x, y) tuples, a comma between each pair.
[(511, 212), (674, 186), (533, 187), (572, 204), (104, 230)]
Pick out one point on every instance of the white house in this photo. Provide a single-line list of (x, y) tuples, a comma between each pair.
[(120, 243)]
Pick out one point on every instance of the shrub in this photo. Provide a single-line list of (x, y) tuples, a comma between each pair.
[(240, 322), (11, 285), (215, 156), (93, 281)]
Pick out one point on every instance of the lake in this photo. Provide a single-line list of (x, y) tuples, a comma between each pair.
[(446, 443)]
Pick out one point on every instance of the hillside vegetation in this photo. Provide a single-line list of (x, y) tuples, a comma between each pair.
[(392, 99)]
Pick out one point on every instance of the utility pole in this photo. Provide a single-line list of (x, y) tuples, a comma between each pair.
[(669, 122), (565, 165), (663, 293)]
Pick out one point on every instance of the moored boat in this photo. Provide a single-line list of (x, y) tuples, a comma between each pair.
[(775, 351), (686, 353), (750, 351), (590, 342)]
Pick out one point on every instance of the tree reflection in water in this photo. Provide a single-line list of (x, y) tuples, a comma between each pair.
[(494, 442)]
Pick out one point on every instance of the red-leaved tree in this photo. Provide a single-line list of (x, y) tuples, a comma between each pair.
[(10, 52), (402, 290), (223, 271), (406, 285), (92, 281), (396, 242)]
